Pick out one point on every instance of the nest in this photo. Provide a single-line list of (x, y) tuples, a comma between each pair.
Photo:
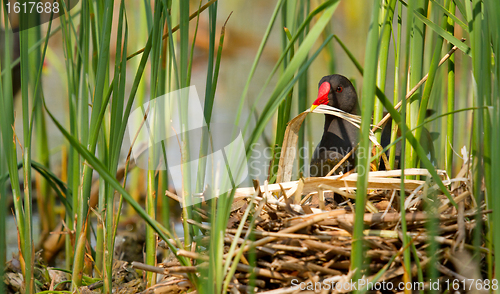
[(300, 235)]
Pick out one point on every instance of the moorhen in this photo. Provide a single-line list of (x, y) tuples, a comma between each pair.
[(340, 136)]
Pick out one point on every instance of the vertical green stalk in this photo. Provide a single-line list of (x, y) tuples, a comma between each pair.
[(74, 164), (397, 84), (416, 69), (479, 62), (7, 123), (99, 231), (450, 120), (151, 197), (285, 106), (163, 174), (45, 199), (114, 143), (210, 87), (142, 18), (432, 229), (3, 206), (28, 233), (492, 172), (492, 9), (184, 42), (484, 115), (151, 211), (209, 95), (209, 92), (364, 151), (94, 129), (403, 126), (302, 87), (101, 245), (219, 219), (97, 103), (183, 73), (385, 28), (86, 73)]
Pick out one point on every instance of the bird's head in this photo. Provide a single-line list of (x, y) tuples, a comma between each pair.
[(336, 91)]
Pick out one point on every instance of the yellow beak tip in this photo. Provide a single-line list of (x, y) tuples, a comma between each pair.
[(313, 107)]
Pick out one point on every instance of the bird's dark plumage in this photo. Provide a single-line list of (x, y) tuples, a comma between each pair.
[(339, 136)]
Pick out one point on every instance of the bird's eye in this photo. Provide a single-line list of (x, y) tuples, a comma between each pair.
[(339, 89)]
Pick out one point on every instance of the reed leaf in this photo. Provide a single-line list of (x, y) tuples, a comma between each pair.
[(362, 166)]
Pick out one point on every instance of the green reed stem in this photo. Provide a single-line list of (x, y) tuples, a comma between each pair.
[(397, 84), (417, 67), (386, 17), (368, 99), (450, 124)]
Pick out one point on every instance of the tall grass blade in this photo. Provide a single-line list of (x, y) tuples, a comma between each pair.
[(397, 86), (302, 87), (283, 110), (386, 16), (480, 64), (7, 123), (416, 69), (492, 9), (156, 49), (450, 124), (368, 99), (3, 216), (29, 251)]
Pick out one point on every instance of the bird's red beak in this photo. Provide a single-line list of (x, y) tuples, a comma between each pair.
[(322, 99)]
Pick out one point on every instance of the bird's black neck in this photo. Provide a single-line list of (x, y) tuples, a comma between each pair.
[(328, 121), (339, 133), (332, 123)]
